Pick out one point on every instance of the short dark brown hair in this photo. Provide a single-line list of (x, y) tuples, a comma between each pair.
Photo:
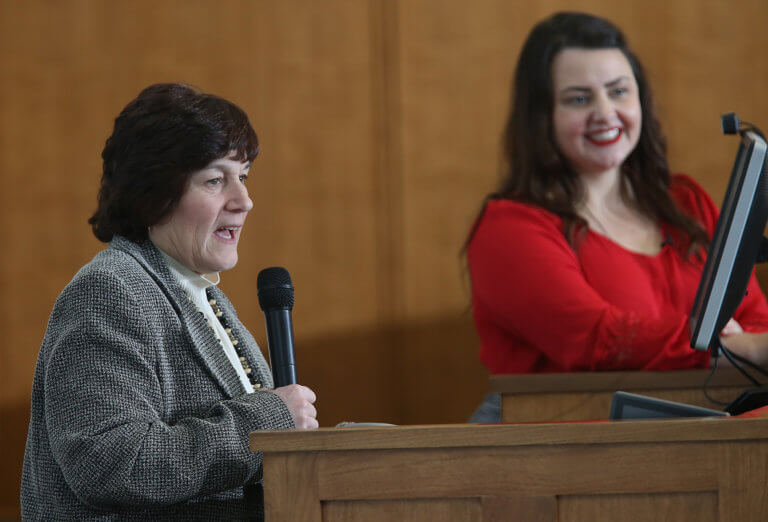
[(159, 139)]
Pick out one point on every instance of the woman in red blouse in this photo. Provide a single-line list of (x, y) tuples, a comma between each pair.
[(589, 255)]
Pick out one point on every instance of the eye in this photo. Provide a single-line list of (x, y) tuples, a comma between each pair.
[(243, 177), (619, 92), (214, 181), (578, 99)]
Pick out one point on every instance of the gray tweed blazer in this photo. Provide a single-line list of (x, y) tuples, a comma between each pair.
[(136, 412)]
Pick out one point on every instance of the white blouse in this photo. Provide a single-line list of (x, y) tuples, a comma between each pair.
[(195, 285)]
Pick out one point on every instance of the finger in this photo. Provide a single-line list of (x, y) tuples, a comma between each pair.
[(311, 424), (308, 394), (733, 323), (730, 328), (306, 423), (305, 411)]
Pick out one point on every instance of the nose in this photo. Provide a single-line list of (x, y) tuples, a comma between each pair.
[(603, 108), (238, 200)]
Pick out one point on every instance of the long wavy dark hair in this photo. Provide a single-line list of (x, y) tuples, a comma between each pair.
[(536, 171)]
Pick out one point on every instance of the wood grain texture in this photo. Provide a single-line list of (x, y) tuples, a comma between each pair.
[(518, 507), (494, 435), (412, 510), (294, 487), (612, 381), (380, 125), (313, 186), (301, 70), (588, 396), (525, 470), (743, 471), (577, 406), (700, 506), (456, 65), (719, 477)]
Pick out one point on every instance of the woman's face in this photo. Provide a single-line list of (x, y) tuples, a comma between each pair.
[(203, 231), (597, 115)]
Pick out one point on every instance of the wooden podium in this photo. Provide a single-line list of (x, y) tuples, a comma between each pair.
[(713, 469), (586, 396)]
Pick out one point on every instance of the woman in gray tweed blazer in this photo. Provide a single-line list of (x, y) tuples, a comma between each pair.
[(147, 384)]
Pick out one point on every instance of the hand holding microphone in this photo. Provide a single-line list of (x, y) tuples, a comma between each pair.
[(299, 400), (276, 300)]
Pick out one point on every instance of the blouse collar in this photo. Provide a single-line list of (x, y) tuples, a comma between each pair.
[(189, 279)]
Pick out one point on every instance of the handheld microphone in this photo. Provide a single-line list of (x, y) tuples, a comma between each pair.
[(275, 293)]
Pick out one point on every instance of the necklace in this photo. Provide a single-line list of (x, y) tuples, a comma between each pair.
[(228, 330)]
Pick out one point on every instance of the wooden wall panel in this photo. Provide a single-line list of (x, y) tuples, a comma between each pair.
[(65, 77), (456, 63), (302, 71), (380, 124), (313, 189), (457, 59), (316, 187)]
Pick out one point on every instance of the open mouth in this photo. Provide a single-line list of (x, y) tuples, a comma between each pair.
[(605, 137), (228, 233)]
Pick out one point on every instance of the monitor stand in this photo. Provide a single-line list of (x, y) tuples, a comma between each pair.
[(749, 400)]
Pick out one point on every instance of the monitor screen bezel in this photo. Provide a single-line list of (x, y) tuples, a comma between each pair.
[(736, 234)]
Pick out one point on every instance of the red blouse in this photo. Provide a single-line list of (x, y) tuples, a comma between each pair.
[(541, 306)]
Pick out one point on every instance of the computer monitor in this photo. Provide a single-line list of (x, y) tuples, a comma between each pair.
[(735, 246), (625, 406)]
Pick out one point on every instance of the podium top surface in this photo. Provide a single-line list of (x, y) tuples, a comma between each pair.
[(473, 435)]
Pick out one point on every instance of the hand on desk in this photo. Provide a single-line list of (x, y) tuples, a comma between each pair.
[(752, 346), (731, 327), (299, 400)]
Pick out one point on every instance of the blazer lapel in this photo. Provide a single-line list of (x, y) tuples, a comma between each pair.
[(199, 334), (207, 346), (251, 349)]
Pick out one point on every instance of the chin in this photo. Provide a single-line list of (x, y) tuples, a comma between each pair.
[(215, 266), (227, 265), (605, 164)]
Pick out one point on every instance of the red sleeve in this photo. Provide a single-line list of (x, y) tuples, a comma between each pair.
[(752, 313), (528, 277)]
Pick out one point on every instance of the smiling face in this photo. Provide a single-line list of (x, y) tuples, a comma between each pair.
[(203, 230), (597, 114)]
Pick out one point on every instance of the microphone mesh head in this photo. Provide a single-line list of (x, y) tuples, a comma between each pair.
[(275, 289)]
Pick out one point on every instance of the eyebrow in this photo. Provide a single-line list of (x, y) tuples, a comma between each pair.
[(223, 166), (610, 84)]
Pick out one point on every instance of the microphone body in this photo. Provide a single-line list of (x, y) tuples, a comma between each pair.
[(276, 300), (280, 342)]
